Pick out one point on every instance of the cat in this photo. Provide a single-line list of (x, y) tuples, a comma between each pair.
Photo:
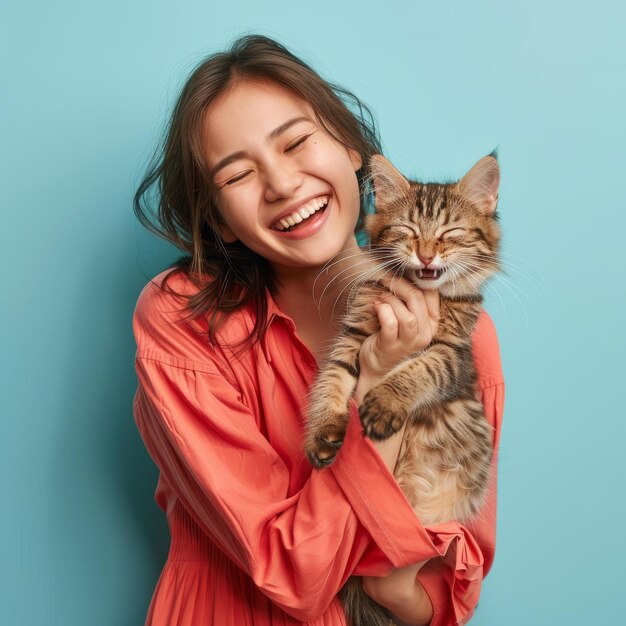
[(442, 236)]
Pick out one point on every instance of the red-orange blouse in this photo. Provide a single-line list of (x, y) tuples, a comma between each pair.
[(257, 537)]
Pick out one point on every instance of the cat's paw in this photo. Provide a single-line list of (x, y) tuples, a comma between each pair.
[(380, 420), (322, 446)]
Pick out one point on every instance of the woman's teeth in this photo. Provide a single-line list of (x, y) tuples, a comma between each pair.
[(302, 214)]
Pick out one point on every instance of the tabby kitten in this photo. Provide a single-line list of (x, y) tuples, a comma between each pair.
[(444, 237)]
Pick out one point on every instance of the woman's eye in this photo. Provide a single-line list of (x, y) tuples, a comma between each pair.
[(298, 142), (236, 178)]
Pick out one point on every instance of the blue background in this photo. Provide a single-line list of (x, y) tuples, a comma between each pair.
[(85, 92)]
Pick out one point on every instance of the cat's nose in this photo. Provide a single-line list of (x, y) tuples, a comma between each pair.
[(425, 259)]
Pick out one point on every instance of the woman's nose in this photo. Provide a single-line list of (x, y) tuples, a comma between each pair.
[(281, 181)]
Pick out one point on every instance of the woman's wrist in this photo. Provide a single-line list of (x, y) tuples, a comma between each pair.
[(409, 604), (416, 610), (365, 382)]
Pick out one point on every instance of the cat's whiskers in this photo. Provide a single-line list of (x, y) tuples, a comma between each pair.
[(474, 272), (399, 269), (519, 258), (337, 276), (363, 277), (539, 283), (461, 268), (454, 274), (333, 261), (375, 266), (369, 256), (501, 301), (498, 276), (338, 254), (511, 286)]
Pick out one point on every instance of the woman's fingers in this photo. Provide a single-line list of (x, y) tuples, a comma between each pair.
[(425, 305), (416, 303), (407, 320), (416, 310), (388, 322), (406, 327), (399, 286), (433, 304)]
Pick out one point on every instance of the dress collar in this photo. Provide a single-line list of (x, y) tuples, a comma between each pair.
[(274, 310)]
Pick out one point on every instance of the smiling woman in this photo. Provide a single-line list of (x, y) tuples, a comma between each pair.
[(279, 162), (261, 180)]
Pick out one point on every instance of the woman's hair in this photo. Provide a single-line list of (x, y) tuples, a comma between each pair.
[(229, 275)]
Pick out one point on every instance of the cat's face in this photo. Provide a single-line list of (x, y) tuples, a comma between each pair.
[(439, 236)]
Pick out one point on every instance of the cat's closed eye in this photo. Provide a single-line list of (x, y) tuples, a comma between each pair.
[(453, 232)]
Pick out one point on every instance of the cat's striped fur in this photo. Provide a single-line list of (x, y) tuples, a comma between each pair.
[(444, 465)]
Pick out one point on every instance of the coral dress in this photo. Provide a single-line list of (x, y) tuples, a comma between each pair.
[(257, 537)]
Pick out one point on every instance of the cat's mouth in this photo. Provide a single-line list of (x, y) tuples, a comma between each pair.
[(427, 274)]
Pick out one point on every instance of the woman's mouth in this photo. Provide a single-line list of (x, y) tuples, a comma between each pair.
[(317, 214), (309, 212)]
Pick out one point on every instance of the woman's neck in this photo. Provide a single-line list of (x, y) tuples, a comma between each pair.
[(316, 298)]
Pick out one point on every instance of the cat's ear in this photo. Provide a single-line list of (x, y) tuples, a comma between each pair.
[(373, 223), (389, 183), (480, 184)]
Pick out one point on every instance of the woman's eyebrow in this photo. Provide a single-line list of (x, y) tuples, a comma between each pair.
[(240, 154)]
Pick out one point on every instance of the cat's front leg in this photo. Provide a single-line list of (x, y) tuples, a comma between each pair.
[(432, 375), (328, 404), (384, 409)]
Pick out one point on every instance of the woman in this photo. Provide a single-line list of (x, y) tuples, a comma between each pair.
[(258, 138)]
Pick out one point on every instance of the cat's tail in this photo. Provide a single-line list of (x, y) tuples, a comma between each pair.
[(359, 608)]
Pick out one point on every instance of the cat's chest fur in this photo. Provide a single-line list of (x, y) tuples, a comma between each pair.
[(457, 320)]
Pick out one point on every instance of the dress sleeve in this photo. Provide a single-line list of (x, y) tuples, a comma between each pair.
[(298, 548), (453, 582)]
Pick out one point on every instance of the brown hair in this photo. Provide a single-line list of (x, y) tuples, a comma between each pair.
[(231, 275)]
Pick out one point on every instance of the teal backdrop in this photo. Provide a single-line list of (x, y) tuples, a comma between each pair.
[(86, 88)]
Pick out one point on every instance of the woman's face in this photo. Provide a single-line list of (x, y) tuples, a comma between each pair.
[(271, 161)]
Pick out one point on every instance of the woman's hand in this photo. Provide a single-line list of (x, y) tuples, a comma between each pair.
[(408, 322), (401, 594)]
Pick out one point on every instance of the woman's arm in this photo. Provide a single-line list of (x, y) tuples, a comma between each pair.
[(402, 594)]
